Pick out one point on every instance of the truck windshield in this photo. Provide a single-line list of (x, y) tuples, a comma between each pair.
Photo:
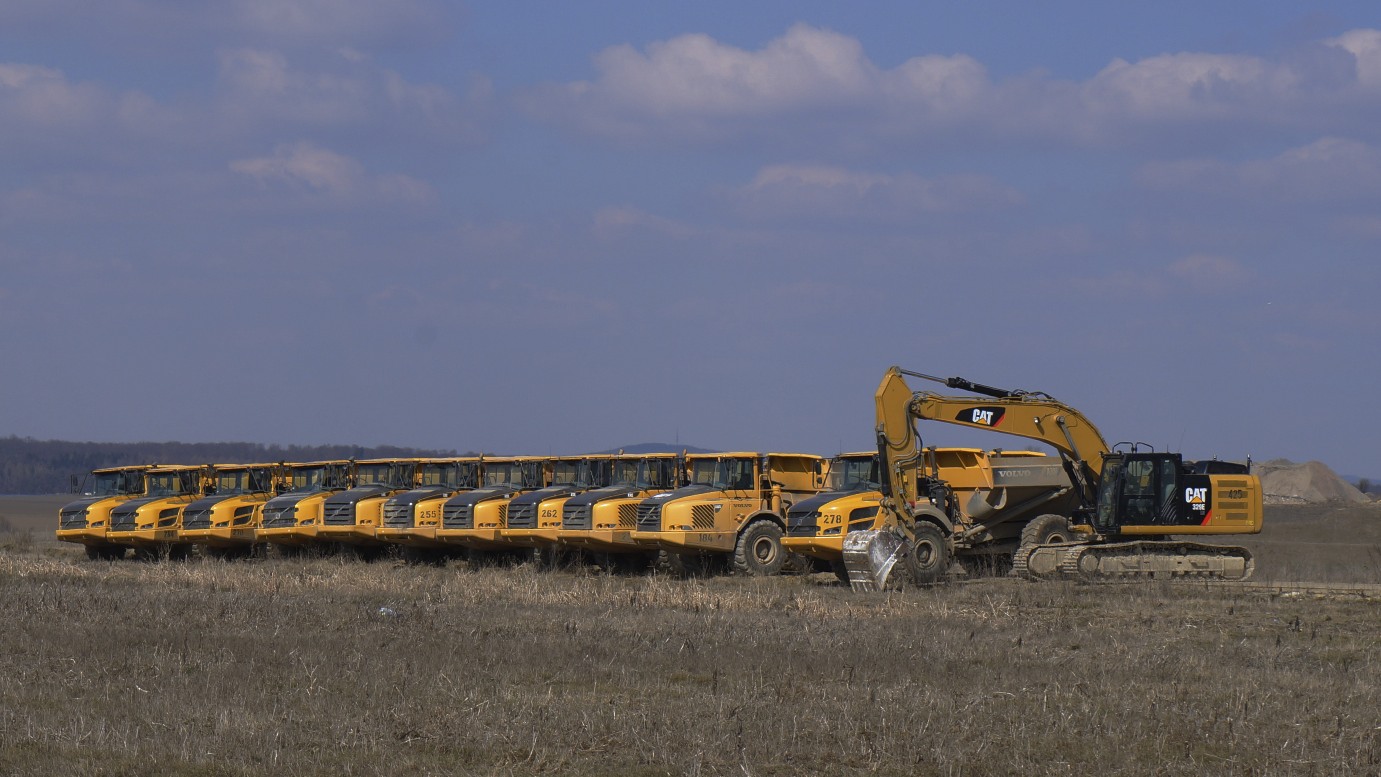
[(854, 475), (655, 473), (241, 481), (307, 479), (504, 473), (113, 483), (455, 474), (565, 473), (172, 484), (386, 474), (723, 473), (594, 473)]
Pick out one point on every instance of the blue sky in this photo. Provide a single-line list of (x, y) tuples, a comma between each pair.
[(536, 227)]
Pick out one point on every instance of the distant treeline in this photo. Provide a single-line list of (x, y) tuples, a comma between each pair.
[(29, 466)]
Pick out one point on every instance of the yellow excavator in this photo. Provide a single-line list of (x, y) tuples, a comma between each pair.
[(1130, 505)]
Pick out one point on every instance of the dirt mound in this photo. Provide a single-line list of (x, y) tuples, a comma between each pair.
[(1285, 482)]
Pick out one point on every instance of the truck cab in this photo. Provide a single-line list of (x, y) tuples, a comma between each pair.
[(86, 520), (602, 520), (734, 507), (475, 520), (534, 518), (816, 526), (411, 518), (292, 520), (151, 523), (225, 521), (352, 517)]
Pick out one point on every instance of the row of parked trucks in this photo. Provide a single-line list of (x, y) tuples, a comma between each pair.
[(749, 512)]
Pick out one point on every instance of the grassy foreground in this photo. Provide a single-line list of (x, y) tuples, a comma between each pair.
[(326, 666), (333, 667)]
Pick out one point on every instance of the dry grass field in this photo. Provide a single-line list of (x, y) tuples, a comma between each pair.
[(326, 666)]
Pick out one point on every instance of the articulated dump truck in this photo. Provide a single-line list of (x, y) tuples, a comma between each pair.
[(225, 522), (151, 523), (292, 520), (601, 521), (534, 518), (733, 511), (411, 518), (352, 517), (472, 522), (86, 520), (992, 494)]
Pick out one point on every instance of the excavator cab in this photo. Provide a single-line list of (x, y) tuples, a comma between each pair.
[(1139, 489)]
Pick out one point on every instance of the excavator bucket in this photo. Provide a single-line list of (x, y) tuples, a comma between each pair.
[(870, 556)]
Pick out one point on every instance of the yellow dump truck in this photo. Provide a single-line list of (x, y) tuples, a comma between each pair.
[(411, 518), (993, 494), (225, 522), (475, 520), (601, 521), (534, 518), (150, 523), (86, 520), (291, 520), (352, 517), (733, 511)]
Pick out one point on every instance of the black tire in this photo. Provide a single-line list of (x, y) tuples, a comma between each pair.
[(1047, 529), (691, 564), (759, 551), (928, 561), (95, 553), (634, 563)]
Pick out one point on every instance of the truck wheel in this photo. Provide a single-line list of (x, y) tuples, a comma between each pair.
[(759, 551), (1046, 529), (95, 553), (928, 560)]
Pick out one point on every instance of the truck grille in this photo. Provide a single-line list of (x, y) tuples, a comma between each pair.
[(73, 519), (458, 517), (575, 517), (649, 517), (201, 519), (338, 513), (628, 515), (280, 517), (802, 524), (398, 516), (522, 516), (124, 521)]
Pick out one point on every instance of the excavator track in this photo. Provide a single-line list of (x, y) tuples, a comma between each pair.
[(1096, 562)]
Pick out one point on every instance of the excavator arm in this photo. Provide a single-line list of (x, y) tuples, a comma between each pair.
[(1032, 415)]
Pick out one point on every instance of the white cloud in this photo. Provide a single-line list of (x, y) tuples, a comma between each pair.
[(43, 97), (818, 192), (1365, 47), (1208, 272), (1199, 274), (816, 86), (1329, 169), (613, 221), (262, 88), (304, 166)]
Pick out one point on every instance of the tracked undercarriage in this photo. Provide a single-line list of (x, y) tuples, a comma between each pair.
[(1095, 562)]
